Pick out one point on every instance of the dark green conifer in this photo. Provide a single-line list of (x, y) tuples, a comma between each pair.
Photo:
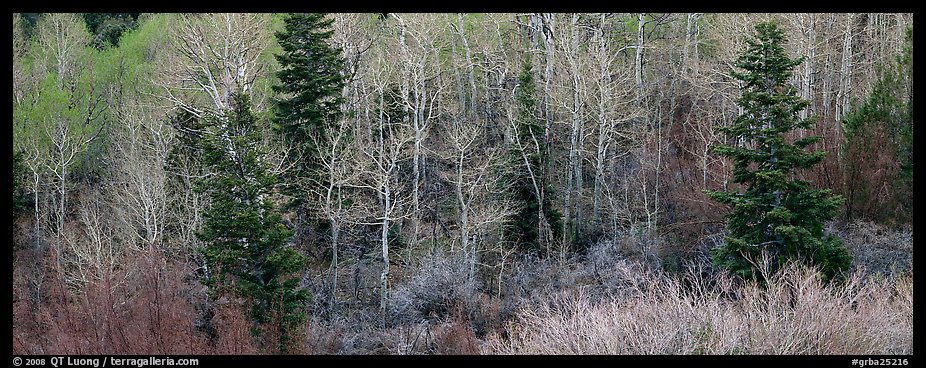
[(245, 241), (774, 212), (311, 79), (527, 228)]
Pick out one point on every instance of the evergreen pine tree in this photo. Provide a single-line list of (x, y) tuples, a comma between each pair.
[(310, 86), (530, 133), (775, 213), (245, 240)]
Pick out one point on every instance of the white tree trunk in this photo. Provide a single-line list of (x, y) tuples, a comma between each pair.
[(470, 67), (810, 43), (845, 74), (638, 60), (604, 124), (464, 214), (384, 239)]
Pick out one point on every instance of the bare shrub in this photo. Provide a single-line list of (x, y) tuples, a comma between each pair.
[(322, 339), (534, 279), (795, 313), (441, 284), (610, 274), (878, 249)]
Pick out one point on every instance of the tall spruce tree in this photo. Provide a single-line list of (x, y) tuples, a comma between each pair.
[(245, 240), (537, 215), (775, 213), (310, 86)]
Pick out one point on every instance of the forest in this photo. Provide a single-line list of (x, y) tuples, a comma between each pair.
[(462, 183)]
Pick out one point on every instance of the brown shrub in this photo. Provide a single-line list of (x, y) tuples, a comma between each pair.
[(457, 336), (148, 312)]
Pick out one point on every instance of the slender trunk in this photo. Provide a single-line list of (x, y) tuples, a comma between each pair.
[(412, 111), (458, 80), (658, 172), (543, 238), (384, 239), (690, 40), (704, 156), (575, 158), (546, 25), (35, 195), (645, 192), (845, 89), (604, 131), (807, 85), (638, 61), (62, 196), (464, 215), (599, 171), (416, 217), (416, 169), (469, 66), (335, 233), (546, 30), (384, 197)]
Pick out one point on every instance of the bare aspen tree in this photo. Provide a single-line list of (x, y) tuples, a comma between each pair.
[(605, 87), (577, 136), (383, 156), (691, 42), (216, 54), (809, 42), (475, 170), (547, 28), (454, 60), (339, 163), (137, 161), (95, 254), (470, 66), (384, 161), (35, 156), (69, 139), (638, 59), (63, 37), (845, 70), (419, 94)]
